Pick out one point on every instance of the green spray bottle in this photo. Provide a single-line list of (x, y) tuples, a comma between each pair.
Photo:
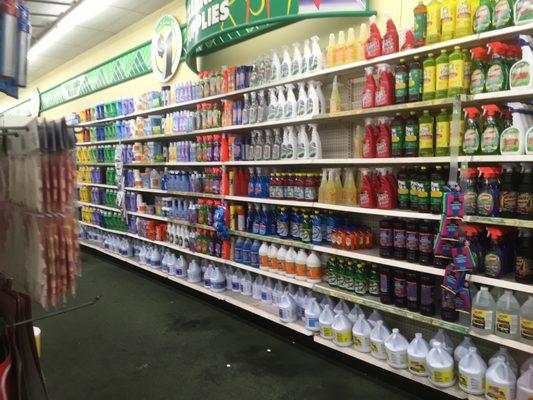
[(483, 17), (490, 138), (471, 137), (503, 14), (479, 70), (498, 70)]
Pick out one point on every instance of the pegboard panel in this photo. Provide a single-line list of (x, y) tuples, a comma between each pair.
[(337, 140)]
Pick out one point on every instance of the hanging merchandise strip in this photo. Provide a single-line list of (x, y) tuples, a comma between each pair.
[(38, 234)]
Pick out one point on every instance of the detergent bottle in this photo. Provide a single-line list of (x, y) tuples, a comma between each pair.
[(312, 315), (442, 140), (420, 26), (479, 70), (350, 47), (349, 189), (287, 309), (369, 139), (367, 197), (401, 82), (456, 70), (497, 72), (440, 366), (391, 41), (416, 355), (442, 75), (361, 41), (340, 49), (383, 140), (330, 51), (490, 138), (489, 193), (433, 30), (378, 335), (361, 334), (325, 322), (373, 44), (483, 17), (430, 78), (521, 73), (386, 193), (385, 88), (472, 137), (447, 18), (500, 381), (396, 347), (369, 91), (426, 135), (463, 18), (472, 370)]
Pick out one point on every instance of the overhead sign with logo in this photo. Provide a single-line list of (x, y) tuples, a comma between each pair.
[(215, 24), (167, 46)]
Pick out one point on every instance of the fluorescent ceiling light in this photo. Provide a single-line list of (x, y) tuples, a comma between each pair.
[(83, 12)]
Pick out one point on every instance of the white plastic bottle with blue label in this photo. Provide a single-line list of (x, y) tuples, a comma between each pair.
[(194, 273), (266, 291), (297, 60), (256, 287), (277, 292), (299, 298), (302, 151), (287, 309), (301, 103), (246, 284), (218, 280), (286, 63), (312, 314)]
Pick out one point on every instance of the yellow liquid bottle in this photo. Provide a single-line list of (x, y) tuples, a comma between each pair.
[(349, 190), (447, 19), (339, 50), (338, 186), (433, 29), (331, 195), (350, 48), (363, 37), (330, 51), (464, 12), (322, 190)]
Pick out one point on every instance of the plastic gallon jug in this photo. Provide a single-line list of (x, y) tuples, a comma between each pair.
[(256, 287), (396, 348), (525, 366), (229, 276), (236, 281), (417, 352), (483, 308), (377, 340), (440, 366), (354, 313), (326, 300), (287, 309), (266, 291), (181, 266), (299, 298), (507, 316), (312, 314), (325, 320), (503, 352), (361, 334), (500, 381), (472, 370), (524, 385), (217, 280), (277, 292), (246, 284), (342, 306), (263, 256), (194, 273), (374, 317), (462, 349), (443, 339), (342, 330)]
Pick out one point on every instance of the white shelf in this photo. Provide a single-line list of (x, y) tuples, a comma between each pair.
[(100, 185), (513, 344), (246, 303), (172, 193), (84, 204), (368, 358), (519, 223), (176, 164), (95, 164)]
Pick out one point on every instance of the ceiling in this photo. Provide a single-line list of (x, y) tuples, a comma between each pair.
[(118, 15)]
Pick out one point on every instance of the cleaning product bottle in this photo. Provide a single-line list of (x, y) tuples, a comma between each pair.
[(483, 308), (287, 309), (340, 49), (483, 17), (263, 256), (383, 140), (286, 63), (416, 79), (509, 360), (367, 197), (412, 135), (290, 109), (524, 385), (472, 136), (524, 209), (426, 135), (430, 70), (373, 44), (349, 190), (409, 42), (312, 314), (443, 339), (502, 15), (301, 265), (325, 321), (479, 70), (526, 321), (354, 313), (401, 82), (377, 340), (361, 41), (472, 371), (498, 71), (316, 61), (331, 189), (396, 348), (368, 98), (416, 355), (420, 27), (521, 73), (361, 334), (456, 69), (507, 316), (391, 41), (297, 60), (464, 12), (315, 145), (302, 147), (322, 190), (442, 137), (442, 75), (306, 57), (301, 103), (490, 138), (342, 330), (398, 136), (313, 265), (462, 349), (526, 364), (440, 366), (350, 47), (385, 87), (433, 30), (330, 51), (447, 17), (500, 381), (512, 138), (335, 99)]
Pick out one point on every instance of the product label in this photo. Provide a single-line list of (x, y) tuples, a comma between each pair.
[(295, 70), (420, 26), (411, 137), (493, 265), (427, 295), (506, 323), (485, 204), (436, 192), (372, 48), (400, 87), (326, 332), (470, 142), (477, 81), (526, 328), (400, 288), (502, 14), (415, 81), (285, 69), (482, 319), (368, 99), (442, 77), (508, 201), (482, 19), (525, 204), (472, 384), (470, 203), (456, 74), (442, 377), (433, 21), (378, 349), (399, 238), (385, 237), (381, 96), (313, 62), (314, 273), (429, 79), (443, 134), (361, 342), (523, 267), (411, 241), (496, 392), (489, 140), (397, 359), (520, 76), (343, 337), (425, 244), (495, 78), (388, 45), (403, 193), (510, 140), (426, 136), (417, 367)]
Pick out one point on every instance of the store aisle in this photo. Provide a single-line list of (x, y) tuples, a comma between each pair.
[(149, 340)]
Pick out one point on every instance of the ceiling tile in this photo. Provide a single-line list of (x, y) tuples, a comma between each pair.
[(113, 19), (64, 51), (84, 37)]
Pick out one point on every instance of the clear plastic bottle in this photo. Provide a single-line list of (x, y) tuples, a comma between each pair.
[(361, 334), (342, 330), (377, 340), (500, 381), (416, 355), (325, 321), (396, 347), (507, 316), (472, 371), (526, 321), (483, 308), (440, 366)]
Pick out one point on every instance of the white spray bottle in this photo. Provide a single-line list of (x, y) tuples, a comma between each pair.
[(303, 143), (290, 110), (313, 102), (285, 63), (273, 105), (316, 61), (301, 104), (297, 60), (521, 73), (315, 146), (275, 66), (306, 57), (321, 97), (281, 103), (292, 143)]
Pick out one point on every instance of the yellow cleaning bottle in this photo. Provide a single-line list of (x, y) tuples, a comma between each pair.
[(433, 31), (447, 19), (463, 18), (330, 51), (360, 44), (350, 48), (349, 190), (339, 50)]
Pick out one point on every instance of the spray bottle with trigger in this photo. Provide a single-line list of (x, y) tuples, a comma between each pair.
[(490, 138), (315, 146), (471, 139), (521, 73)]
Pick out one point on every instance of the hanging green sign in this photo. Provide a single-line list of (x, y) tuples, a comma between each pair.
[(215, 24)]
